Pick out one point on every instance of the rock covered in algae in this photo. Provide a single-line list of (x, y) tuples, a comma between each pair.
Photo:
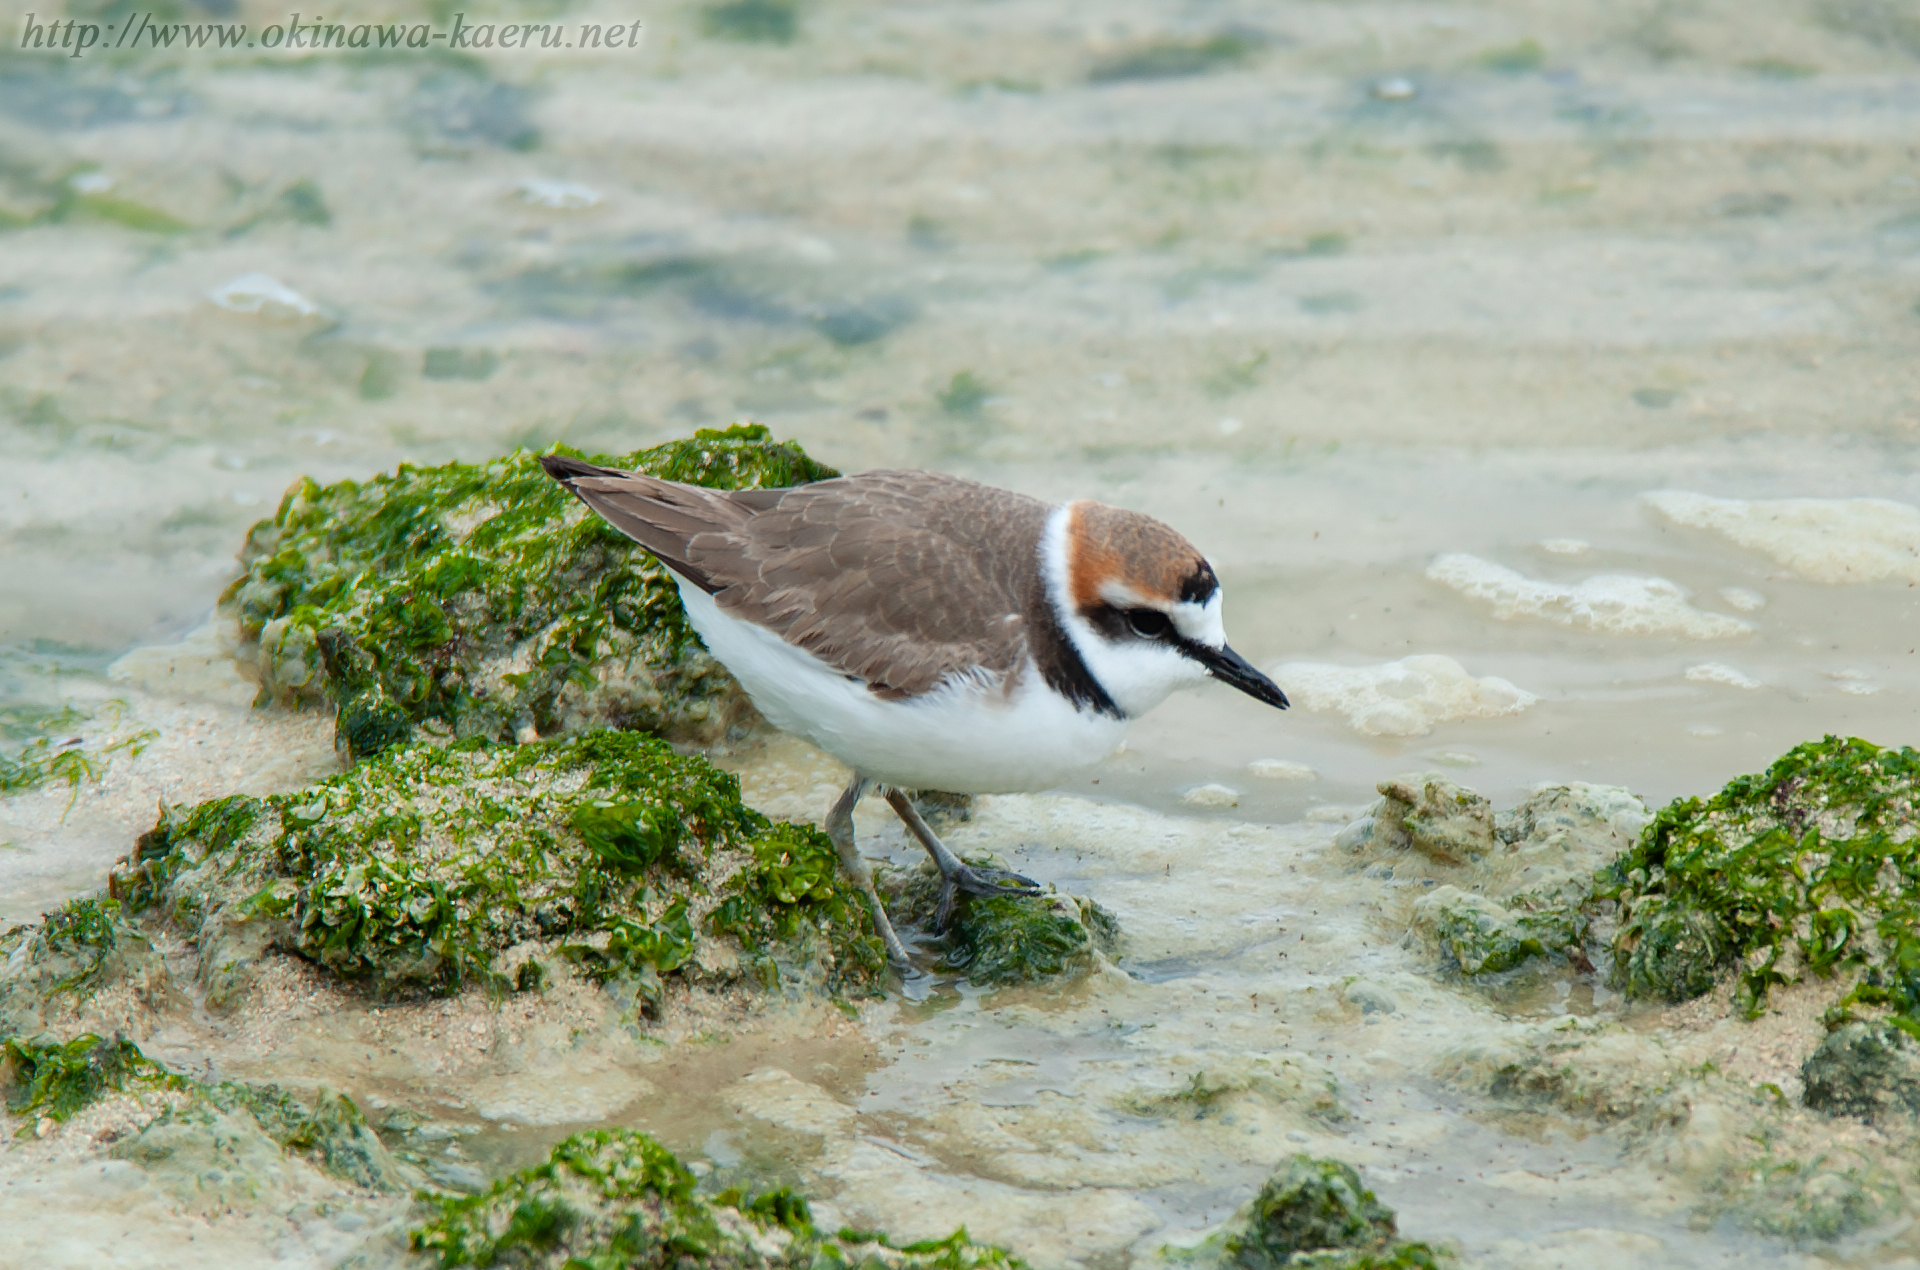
[(1435, 817), (616, 1197), (1812, 865), (1312, 1213), (476, 863), (44, 1076), (1527, 903), (481, 599), (1822, 1198), (1000, 940), (226, 1144), (1866, 1069), (87, 958), (1484, 937), (212, 1145)]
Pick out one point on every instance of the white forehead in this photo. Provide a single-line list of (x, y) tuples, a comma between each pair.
[(1200, 623)]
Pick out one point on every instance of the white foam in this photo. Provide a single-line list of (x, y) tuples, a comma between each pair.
[(1401, 698), (565, 196), (262, 293), (1823, 539), (1853, 682), (1619, 604), (1713, 672), (1566, 546), (1742, 599), (1211, 796), (200, 667), (1280, 769)]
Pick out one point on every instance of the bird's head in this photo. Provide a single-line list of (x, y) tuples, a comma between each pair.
[(1142, 606)]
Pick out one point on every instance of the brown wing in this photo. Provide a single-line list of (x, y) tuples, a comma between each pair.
[(901, 579)]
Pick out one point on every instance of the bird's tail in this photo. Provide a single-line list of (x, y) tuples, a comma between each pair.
[(662, 516)]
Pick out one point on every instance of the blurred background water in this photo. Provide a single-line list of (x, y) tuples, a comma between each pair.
[(1399, 310), (1337, 289)]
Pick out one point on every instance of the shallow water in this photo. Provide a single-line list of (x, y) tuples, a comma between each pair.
[(1405, 283)]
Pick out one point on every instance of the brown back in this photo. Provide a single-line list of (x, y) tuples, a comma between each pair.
[(900, 579)]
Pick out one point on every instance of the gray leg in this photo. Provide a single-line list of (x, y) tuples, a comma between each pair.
[(839, 828), (956, 875)]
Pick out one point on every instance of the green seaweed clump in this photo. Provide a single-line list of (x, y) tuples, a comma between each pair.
[(1315, 1213), (57, 1078), (433, 868), (481, 599), (999, 940), (612, 1198), (1813, 865)]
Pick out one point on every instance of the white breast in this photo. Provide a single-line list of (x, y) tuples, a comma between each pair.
[(968, 737)]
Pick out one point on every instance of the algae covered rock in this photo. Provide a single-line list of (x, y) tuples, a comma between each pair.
[(1000, 940), (1819, 1199), (1810, 866), (483, 600), (86, 959), (1866, 1069), (1435, 817), (229, 1144), (434, 868), (616, 1197), (46, 1076), (1315, 1213), (1483, 937)]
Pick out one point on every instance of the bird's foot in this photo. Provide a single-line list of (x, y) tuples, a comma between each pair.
[(978, 881)]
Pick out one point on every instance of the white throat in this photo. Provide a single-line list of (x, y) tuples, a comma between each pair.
[(1138, 675)]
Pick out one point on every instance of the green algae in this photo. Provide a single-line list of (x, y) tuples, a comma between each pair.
[(434, 868), (482, 600), (1809, 867), (49, 1077), (751, 21), (965, 395), (613, 1198), (1000, 940), (43, 761)]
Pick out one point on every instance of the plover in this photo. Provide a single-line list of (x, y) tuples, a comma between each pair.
[(932, 633)]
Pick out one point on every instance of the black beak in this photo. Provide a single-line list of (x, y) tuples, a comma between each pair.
[(1230, 667)]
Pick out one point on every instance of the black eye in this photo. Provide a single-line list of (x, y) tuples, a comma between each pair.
[(1148, 623)]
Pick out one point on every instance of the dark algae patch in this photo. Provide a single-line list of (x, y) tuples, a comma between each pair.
[(433, 868), (609, 1199), (480, 599), (1809, 867)]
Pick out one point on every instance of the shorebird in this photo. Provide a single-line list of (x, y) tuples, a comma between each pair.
[(932, 633)]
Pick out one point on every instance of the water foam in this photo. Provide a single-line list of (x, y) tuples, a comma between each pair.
[(1401, 698), (1617, 603), (1824, 539)]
